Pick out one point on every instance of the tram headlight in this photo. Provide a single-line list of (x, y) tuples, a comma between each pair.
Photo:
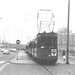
[(42, 46), (53, 54)]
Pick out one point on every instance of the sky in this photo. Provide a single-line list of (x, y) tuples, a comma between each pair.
[(19, 17)]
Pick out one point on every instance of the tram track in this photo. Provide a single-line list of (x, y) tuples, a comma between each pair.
[(66, 70), (58, 71), (48, 71)]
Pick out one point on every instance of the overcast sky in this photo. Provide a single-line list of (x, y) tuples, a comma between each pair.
[(19, 17)]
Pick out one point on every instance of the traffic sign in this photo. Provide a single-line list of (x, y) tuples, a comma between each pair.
[(17, 41)]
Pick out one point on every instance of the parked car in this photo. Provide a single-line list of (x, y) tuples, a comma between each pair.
[(14, 50), (6, 51), (2, 49), (10, 49)]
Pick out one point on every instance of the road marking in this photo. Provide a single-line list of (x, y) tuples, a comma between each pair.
[(2, 62), (3, 66)]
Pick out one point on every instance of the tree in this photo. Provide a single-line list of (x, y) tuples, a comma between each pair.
[(62, 38)]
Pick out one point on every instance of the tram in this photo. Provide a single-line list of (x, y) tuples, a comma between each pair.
[(44, 47)]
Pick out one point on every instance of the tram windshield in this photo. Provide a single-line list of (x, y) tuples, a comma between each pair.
[(49, 41)]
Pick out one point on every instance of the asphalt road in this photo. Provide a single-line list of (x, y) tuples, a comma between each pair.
[(36, 69), (7, 57), (33, 68)]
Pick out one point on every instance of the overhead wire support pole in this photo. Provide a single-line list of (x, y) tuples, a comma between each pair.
[(0, 36), (67, 57)]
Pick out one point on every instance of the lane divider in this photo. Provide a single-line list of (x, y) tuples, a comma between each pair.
[(3, 66), (2, 62)]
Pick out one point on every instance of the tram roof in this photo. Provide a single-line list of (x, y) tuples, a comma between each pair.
[(52, 34)]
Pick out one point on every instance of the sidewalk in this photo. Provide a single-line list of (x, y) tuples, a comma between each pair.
[(23, 58), (61, 61)]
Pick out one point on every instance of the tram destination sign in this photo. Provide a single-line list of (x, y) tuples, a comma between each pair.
[(17, 41)]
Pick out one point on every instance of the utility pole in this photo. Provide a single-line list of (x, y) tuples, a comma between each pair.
[(0, 36), (67, 56)]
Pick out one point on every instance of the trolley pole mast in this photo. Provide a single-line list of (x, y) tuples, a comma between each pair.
[(67, 57)]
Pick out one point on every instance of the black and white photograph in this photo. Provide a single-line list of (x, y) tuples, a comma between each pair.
[(37, 37)]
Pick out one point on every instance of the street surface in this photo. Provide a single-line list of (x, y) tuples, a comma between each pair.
[(7, 57), (25, 65)]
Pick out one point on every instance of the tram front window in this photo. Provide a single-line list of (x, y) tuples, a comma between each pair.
[(49, 41)]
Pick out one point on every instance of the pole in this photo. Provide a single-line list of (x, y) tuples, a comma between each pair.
[(17, 55), (17, 51), (67, 57), (0, 36)]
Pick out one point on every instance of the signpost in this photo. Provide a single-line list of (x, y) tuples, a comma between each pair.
[(17, 42)]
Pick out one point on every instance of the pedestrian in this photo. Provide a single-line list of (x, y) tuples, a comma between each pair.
[(64, 55)]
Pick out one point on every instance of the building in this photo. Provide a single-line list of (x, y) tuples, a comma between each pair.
[(62, 39)]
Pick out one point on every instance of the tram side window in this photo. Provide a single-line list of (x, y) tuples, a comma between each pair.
[(35, 43), (39, 43)]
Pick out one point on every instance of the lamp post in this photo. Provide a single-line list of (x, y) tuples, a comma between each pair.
[(67, 56), (0, 37)]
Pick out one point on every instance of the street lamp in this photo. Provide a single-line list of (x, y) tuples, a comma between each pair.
[(67, 57)]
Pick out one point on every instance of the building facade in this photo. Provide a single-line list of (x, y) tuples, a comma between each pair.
[(62, 39)]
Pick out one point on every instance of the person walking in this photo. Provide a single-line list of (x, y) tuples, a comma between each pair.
[(64, 55)]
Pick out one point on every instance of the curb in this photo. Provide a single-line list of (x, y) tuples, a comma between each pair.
[(13, 58)]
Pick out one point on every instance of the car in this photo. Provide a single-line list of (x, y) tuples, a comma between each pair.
[(14, 50), (10, 49), (2, 49), (6, 51)]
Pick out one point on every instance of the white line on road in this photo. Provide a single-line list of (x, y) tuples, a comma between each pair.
[(2, 62), (3, 66)]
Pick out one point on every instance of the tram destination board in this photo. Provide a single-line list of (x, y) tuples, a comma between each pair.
[(17, 41)]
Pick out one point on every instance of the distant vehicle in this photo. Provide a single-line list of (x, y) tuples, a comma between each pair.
[(2, 49), (6, 51), (12, 50)]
